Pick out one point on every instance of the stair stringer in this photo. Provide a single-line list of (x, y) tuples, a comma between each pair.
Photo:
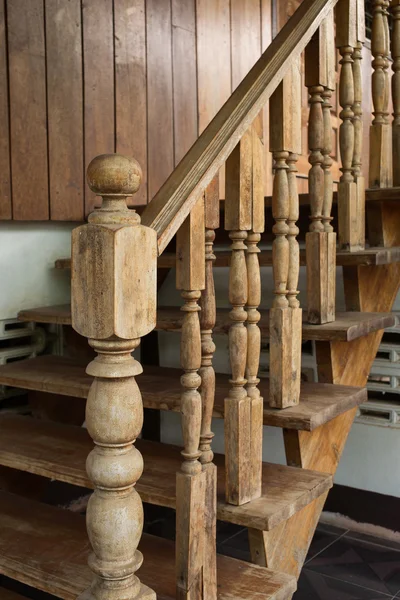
[(368, 289)]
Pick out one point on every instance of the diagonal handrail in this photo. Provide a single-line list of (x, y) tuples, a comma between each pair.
[(176, 198)]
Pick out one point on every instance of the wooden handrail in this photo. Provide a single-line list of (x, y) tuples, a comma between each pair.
[(176, 198)]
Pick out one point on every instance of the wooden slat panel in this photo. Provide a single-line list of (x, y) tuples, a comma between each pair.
[(185, 76), (266, 38), (213, 62), (130, 86), (98, 62), (28, 109), (65, 108), (5, 184), (246, 37), (159, 94)]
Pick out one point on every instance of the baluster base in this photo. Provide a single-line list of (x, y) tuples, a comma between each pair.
[(396, 156), (190, 500), (285, 326), (237, 450), (101, 590), (380, 164), (210, 533), (256, 440), (351, 216), (321, 277)]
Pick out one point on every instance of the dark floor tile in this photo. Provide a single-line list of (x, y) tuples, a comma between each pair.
[(358, 562), (373, 540), (324, 536), (315, 586), (236, 546)]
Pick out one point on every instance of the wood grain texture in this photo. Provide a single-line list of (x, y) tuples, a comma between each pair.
[(245, 37), (184, 66), (8, 595), (65, 109), (98, 77), (28, 115), (59, 452), (159, 94), (62, 570), (161, 390), (131, 93), (347, 327), (5, 173), (179, 193)]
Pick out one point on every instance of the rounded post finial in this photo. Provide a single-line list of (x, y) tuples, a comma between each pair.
[(114, 175)]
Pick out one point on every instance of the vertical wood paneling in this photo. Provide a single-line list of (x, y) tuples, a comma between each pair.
[(213, 62), (28, 109), (131, 85), (246, 37), (185, 76), (266, 39), (65, 110), (5, 184), (98, 63), (159, 94)]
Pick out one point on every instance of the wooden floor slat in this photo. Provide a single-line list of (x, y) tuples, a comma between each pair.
[(59, 452), (348, 326), (161, 389), (47, 548)]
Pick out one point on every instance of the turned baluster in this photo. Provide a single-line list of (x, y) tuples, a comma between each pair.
[(357, 227), (207, 374), (321, 239), (190, 481), (238, 405), (114, 305), (380, 169), (396, 91), (253, 314), (285, 314)]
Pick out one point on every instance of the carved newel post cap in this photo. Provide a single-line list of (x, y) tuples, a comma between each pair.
[(114, 175)]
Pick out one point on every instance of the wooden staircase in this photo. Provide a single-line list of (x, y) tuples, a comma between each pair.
[(115, 259)]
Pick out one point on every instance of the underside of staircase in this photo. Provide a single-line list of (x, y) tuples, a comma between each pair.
[(118, 266)]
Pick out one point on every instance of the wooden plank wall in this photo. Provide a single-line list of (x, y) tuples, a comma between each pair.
[(140, 77)]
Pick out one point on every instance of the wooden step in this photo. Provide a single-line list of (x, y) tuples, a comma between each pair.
[(9, 595), (367, 257), (47, 548), (161, 389), (348, 326), (382, 194), (60, 451)]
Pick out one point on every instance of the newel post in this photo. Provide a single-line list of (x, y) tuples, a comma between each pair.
[(114, 263)]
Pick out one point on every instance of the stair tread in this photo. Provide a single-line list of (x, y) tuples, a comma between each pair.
[(379, 194), (59, 452), (161, 389), (366, 257), (348, 326), (47, 547)]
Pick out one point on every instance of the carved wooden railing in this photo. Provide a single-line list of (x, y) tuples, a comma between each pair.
[(114, 265)]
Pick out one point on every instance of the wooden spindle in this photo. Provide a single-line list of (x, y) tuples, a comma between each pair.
[(285, 314), (321, 239), (238, 405), (380, 168), (114, 305), (396, 91), (253, 314), (207, 322), (190, 481)]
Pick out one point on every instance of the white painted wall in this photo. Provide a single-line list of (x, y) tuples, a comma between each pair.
[(27, 274)]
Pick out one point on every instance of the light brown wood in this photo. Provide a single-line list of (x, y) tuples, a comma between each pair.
[(122, 308), (190, 480), (131, 98), (181, 191), (380, 132), (161, 390), (358, 222), (395, 47), (347, 326), (28, 118), (62, 570), (59, 452)]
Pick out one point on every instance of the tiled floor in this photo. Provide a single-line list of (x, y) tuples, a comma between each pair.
[(340, 565)]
